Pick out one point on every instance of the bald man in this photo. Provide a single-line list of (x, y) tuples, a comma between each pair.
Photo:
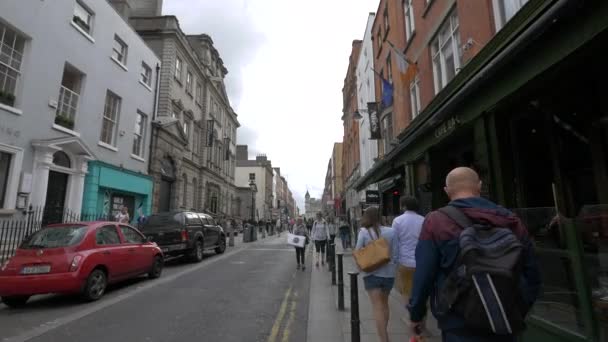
[(438, 249)]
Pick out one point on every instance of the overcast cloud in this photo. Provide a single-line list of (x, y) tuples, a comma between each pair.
[(287, 60)]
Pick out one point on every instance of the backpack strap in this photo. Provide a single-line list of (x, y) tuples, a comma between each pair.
[(457, 216)]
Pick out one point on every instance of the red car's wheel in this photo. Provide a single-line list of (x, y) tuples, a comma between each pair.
[(157, 268), (15, 301), (96, 285)]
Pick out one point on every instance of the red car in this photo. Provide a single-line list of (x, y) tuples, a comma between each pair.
[(77, 258)]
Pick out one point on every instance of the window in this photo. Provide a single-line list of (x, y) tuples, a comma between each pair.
[(252, 176), (111, 114), (409, 19), (107, 235), (119, 50), (186, 127), (131, 236), (446, 52), (387, 27), (146, 74), (5, 168), (415, 96), (139, 134), (379, 40), (82, 17), (199, 93), (387, 127), (178, 69), (504, 10), (11, 54), (189, 82), (389, 68), (69, 94)]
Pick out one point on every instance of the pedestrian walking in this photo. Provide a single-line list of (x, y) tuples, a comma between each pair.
[(123, 215), (344, 230), (320, 235), (332, 229), (474, 297), (301, 230), (407, 231), (378, 283)]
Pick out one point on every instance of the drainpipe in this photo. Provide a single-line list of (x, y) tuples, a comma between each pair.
[(154, 137)]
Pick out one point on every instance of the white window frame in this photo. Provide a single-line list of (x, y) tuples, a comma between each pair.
[(189, 81), (120, 56), (500, 18), (139, 137), (186, 128), (112, 120), (179, 65), (10, 65), (199, 92), (415, 96), (437, 50), (12, 184), (410, 24), (80, 6), (146, 74)]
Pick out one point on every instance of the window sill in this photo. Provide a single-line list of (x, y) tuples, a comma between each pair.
[(11, 110), (427, 8), (83, 32), (145, 85), (65, 130), (138, 158), (7, 211), (109, 147), (124, 67)]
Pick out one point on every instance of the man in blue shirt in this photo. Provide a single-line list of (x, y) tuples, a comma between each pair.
[(407, 231)]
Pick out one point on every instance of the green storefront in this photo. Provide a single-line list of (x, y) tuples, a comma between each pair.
[(107, 188), (530, 114)]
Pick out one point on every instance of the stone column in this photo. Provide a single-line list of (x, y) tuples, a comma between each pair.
[(43, 159), (77, 185)]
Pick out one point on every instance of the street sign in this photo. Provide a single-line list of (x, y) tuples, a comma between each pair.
[(372, 197)]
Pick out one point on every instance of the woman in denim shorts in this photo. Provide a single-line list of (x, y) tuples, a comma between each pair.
[(378, 283)]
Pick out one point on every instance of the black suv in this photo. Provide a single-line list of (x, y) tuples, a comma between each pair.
[(185, 233)]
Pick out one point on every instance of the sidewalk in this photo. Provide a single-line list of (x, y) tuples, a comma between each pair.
[(327, 324)]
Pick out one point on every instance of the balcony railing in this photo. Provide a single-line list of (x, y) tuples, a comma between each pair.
[(66, 109)]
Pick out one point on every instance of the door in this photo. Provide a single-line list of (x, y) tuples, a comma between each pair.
[(114, 255), (118, 201), (211, 231), (55, 198), (165, 195), (140, 259)]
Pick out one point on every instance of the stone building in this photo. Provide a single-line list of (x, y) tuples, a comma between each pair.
[(194, 135), (259, 172)]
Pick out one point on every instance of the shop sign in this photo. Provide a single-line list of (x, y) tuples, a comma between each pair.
[(372, 197), (447, 127)]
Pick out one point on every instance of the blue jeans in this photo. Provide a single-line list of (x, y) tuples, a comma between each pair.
[(345, 237)]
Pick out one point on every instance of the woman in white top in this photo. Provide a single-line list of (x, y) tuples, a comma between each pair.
[(320, 235), (123, 216)]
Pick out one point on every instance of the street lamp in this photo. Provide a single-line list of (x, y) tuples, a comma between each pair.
[(254, 189)]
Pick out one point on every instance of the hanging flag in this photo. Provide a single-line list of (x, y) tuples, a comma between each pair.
[(387, 93), (210, 130), (374, 121), (407, 69)]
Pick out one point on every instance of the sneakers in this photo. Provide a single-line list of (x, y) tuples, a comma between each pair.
[(317, 264), (303, 267), (298, 267)]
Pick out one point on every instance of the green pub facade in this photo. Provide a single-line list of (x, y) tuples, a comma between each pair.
[(530, 114)]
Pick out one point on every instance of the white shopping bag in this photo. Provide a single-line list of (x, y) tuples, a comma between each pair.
[(296, 240)]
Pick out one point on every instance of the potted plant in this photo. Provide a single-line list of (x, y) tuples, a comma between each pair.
[(64, 121)]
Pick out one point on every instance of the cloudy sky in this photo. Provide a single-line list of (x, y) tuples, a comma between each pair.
[(287, 60)]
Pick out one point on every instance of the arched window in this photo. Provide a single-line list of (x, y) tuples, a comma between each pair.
[(185, 194), (60, 158)]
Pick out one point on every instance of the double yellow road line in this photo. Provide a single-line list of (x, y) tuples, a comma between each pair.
[(290, 300)]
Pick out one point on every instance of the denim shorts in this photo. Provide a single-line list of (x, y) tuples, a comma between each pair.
[(373, 282)]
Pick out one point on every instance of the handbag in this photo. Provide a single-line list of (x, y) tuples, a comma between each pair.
[(296, 240), (373, 256)]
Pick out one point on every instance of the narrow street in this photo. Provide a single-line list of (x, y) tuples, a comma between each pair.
[(251, 293)]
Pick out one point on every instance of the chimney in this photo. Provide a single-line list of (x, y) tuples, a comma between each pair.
[(123, 7), (146, 8), (242, 152), (261, 158)]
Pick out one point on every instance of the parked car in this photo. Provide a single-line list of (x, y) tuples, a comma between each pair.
[(186, 233), (77, 258)]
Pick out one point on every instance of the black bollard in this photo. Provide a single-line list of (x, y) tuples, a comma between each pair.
[(331, 251), (354, 308), (340, 282), (332, 265)]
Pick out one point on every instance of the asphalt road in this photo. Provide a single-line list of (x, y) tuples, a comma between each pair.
[(251, 293)]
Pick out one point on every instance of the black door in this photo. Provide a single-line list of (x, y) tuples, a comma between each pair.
[(165, 195), (55, 198)]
